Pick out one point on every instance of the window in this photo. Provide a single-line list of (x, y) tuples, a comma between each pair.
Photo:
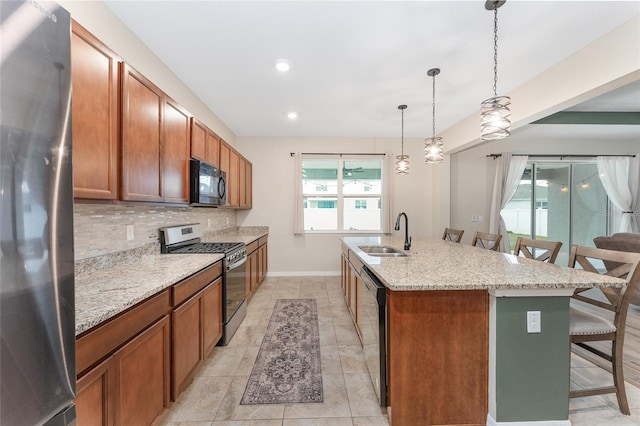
[(558, 201), (342, 194)]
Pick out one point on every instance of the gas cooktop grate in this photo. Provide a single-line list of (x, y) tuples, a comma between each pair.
[(208, 248)]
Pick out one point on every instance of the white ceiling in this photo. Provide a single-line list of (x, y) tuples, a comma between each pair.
[(354, 62)]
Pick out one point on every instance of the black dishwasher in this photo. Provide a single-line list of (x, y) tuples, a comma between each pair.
[(374, 330)]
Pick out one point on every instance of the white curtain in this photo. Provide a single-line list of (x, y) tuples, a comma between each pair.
[(508, 175), (387, 193), (619, 177), (298, 213)]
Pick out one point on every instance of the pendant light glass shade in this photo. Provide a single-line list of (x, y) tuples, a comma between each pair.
[(433, 148), (402, 160), (495, 118), (495, 115)]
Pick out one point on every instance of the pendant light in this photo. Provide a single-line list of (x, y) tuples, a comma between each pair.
[(402, 161), (433, 150), (495, 116)]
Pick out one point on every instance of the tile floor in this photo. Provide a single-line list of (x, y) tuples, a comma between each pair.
[(214, 396)]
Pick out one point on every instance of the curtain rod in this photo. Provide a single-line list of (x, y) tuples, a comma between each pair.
[(338, 153), (563, 156)]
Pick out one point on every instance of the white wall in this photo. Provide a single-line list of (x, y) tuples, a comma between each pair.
[(273, 197)]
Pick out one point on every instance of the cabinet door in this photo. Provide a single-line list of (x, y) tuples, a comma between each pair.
[(95, 395), (251, 259), (198, 140), (95, 117), (225, 151), (344, 274), (142, 367), (186, 343), (263, 262), (213, 149), (351, 297), (249, 185), (253, 271), (212, 316), (233, 179), (175, 153), (242, 182), (141, 132)]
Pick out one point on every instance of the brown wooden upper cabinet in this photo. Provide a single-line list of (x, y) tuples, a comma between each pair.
[(233, 179), (155, 143), (249, 183), (246, 182), (225, 151), (198, 139), (175, 152), (213, 149), (94, 73), (205, 144), (141, 132)]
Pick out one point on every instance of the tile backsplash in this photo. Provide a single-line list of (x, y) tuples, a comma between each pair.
[(101, 229)]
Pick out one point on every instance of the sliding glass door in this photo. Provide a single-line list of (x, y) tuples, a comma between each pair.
[(558, 201)]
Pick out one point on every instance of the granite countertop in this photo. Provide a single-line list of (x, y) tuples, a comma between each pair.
[(245, 236), (109, 284), (434, 264), (103, 294)]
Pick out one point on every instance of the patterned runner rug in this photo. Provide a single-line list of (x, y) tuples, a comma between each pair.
[(287, 369)]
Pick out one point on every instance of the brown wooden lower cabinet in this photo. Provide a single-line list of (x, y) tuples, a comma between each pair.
[(257, 262), (95, 396), (131, 387), (438, 357), (186, 343), (212, 316), (142, 376), (131, 365), (196, 324), (197, 327)]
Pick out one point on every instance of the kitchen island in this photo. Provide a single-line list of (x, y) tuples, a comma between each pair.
[(458, 351)]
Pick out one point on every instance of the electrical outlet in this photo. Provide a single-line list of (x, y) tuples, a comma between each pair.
[(227, 221), (479, 218), (534, 324), (129, 232)]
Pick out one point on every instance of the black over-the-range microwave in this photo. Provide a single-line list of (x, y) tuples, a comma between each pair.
[(208, 185)]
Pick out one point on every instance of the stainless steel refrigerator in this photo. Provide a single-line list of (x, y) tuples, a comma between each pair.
[(37, 312)]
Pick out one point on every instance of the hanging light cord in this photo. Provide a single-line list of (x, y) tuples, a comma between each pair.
[(402, 133), (495, 53), (433, 118)]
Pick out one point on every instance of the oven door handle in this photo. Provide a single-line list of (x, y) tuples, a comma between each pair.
[(237, 264)]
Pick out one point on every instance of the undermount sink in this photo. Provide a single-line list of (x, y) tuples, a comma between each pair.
[(385, 251)]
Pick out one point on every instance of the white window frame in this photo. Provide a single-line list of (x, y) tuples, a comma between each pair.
[(340, 197)]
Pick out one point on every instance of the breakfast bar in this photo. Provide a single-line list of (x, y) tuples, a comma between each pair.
[(460, 349)]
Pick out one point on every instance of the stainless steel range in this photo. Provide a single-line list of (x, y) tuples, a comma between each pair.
[(185, 239)]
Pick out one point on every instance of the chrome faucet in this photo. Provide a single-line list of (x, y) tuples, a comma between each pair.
[(407, 238)]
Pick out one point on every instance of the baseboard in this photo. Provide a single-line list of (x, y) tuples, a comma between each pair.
[(303, 274), (492, 422)]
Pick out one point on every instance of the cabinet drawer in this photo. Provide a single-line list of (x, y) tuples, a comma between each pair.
[(263, 240), (101, 341), (357, 264), (190, 286), (345, 250), (252, 246)]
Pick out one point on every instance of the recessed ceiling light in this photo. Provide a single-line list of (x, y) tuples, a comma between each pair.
[(292, 115), (283, 66)]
